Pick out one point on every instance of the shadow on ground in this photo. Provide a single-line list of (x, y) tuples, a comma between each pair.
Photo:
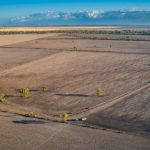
[(29, 122), (79, 95)]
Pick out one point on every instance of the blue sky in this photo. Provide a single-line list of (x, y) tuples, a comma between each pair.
[(14, 8), (74, 12), (13, 2)]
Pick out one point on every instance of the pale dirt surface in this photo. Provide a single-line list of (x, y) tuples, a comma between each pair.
[(11, 39), (72, 83), (20, 56), (73, 76), (18, 132), (76, 43), (130, 114), (72, 69)]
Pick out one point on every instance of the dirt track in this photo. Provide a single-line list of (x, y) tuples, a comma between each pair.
[(107, 105), (128, 113)]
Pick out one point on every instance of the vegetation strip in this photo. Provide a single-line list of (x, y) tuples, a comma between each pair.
[(115, 32)]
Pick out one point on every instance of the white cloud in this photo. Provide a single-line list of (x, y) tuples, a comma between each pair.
[(85, 17), (94, 14)]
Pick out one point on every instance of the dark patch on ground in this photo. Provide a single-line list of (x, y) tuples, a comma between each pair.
[(80, 95), (137, 127), (29, 122)]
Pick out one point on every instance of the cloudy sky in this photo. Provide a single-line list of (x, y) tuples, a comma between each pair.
[(73, 11)]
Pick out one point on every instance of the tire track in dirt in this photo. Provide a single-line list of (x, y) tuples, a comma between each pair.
[(111, 102)]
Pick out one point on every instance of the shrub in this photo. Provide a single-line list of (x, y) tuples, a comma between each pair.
[(25, 91), (65, 117), (44, 88), (100, 92), (2, 97)]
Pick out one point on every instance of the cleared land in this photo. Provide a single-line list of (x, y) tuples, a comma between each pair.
[(72, 66), (11, 39), (129, 113), (23, 133)]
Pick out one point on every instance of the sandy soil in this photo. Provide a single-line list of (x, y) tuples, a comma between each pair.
[(64, 42), (73, 68), (86, 72), (130, 114), (11, 39), (19, 56), (18, 132)]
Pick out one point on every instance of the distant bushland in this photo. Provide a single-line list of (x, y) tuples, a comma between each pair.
[(113, 32)]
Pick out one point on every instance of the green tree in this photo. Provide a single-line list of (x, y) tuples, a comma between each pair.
[(100, 92), (2, 97), (25, 91)]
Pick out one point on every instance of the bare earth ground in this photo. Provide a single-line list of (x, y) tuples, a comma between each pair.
[(10, 39), (18, 132), (130, 114), (73, 68)]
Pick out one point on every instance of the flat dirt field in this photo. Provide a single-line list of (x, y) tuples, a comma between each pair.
[(72, 66), (11, 39)]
